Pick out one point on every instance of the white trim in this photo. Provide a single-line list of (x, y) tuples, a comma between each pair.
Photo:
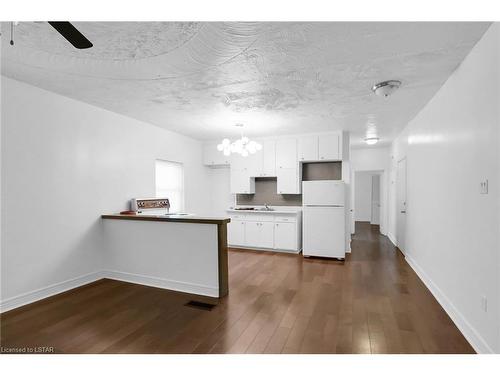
[(470, 334), (392, 238), (48, 291), (179, 286)]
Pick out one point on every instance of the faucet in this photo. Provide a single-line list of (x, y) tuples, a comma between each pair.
[(266, 206)]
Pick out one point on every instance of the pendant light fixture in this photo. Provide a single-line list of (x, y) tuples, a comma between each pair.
[(242, 146), (371, 140)]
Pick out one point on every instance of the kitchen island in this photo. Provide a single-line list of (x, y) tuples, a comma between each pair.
[(184, 253)]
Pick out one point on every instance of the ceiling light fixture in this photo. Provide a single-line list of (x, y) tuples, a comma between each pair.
[(371, 140), (386, 88), (242, 146)]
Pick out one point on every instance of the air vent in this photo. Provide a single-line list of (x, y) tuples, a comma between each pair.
[(200, 305)]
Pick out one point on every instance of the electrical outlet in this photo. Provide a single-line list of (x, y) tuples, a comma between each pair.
[(484, 303), (484, 187)]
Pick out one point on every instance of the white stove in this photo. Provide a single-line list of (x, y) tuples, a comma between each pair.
[(150, 206)]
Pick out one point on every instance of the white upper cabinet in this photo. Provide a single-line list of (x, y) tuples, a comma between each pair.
[(287, 181), (254, 163), (212, 156), (238, 162), (286, 153), (329, 147), (241, 182), (308, 148), (269, 156)]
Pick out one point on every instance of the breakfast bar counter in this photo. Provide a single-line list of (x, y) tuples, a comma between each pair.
[(185, 253)]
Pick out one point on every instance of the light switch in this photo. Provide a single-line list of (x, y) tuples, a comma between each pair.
[(484, 187)]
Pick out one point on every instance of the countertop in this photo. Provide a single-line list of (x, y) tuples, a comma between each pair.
[(171, 218), (289, 212)]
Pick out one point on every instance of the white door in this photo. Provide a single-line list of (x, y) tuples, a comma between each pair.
[(269, 154), (286, 153), (324, 232), (285, 236), (308, 148), (266, 237), (329, 147), (323, 193), (287, 181), (401, 205), (375, 214), (236, 233)]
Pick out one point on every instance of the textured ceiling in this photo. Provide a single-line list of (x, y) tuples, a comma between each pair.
[(199, 79)]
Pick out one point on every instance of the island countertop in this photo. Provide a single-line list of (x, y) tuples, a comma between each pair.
[(171, 218)]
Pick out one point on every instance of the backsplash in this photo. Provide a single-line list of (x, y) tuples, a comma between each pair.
[(265, 187), (265, 193)]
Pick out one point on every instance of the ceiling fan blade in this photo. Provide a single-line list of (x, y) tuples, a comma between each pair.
[(71, 34)]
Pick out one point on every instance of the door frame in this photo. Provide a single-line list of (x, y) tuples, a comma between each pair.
[(401, 247), (384, 198)]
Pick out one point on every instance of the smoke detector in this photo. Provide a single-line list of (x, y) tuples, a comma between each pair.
[(386, 88)]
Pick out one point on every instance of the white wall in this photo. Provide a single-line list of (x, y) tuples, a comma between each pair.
[(363, 196), (373, 159), (64, 163), (452, 235)]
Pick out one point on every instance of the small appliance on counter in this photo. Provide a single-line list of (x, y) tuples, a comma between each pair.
[(150, 206), (324, 228)]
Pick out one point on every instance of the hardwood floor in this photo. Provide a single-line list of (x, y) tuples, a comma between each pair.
[(277, 303)]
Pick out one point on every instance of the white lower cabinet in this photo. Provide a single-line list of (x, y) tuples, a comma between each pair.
[(236, 232), (259, 234), (266, 231), (285, 236)]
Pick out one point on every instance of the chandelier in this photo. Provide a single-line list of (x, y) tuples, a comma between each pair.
[(242, 146)]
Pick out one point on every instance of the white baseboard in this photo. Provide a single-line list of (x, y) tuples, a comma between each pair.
[(264, 249), (470, 334), (392, 238), (48, 291), (158, 282)]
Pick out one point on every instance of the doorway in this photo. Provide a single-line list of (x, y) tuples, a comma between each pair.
[(401, 205), (367, 197)]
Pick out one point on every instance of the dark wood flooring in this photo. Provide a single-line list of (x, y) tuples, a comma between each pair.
[(277, 303)]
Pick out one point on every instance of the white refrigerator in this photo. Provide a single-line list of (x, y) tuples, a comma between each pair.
[(323, 219)]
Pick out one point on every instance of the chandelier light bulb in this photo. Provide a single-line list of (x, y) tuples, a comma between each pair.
[(243, 146)]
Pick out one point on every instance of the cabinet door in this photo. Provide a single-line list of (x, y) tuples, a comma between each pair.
[(254, 164), (308, 148), (269, 156), (286, 153), (287, 181), (212, 156), (241, 183), (252, 233), (329, 147), (266, 237), (285, 236), (236, 233), (238, 162)]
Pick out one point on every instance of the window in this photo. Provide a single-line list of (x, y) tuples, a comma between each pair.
[(170, 183)]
